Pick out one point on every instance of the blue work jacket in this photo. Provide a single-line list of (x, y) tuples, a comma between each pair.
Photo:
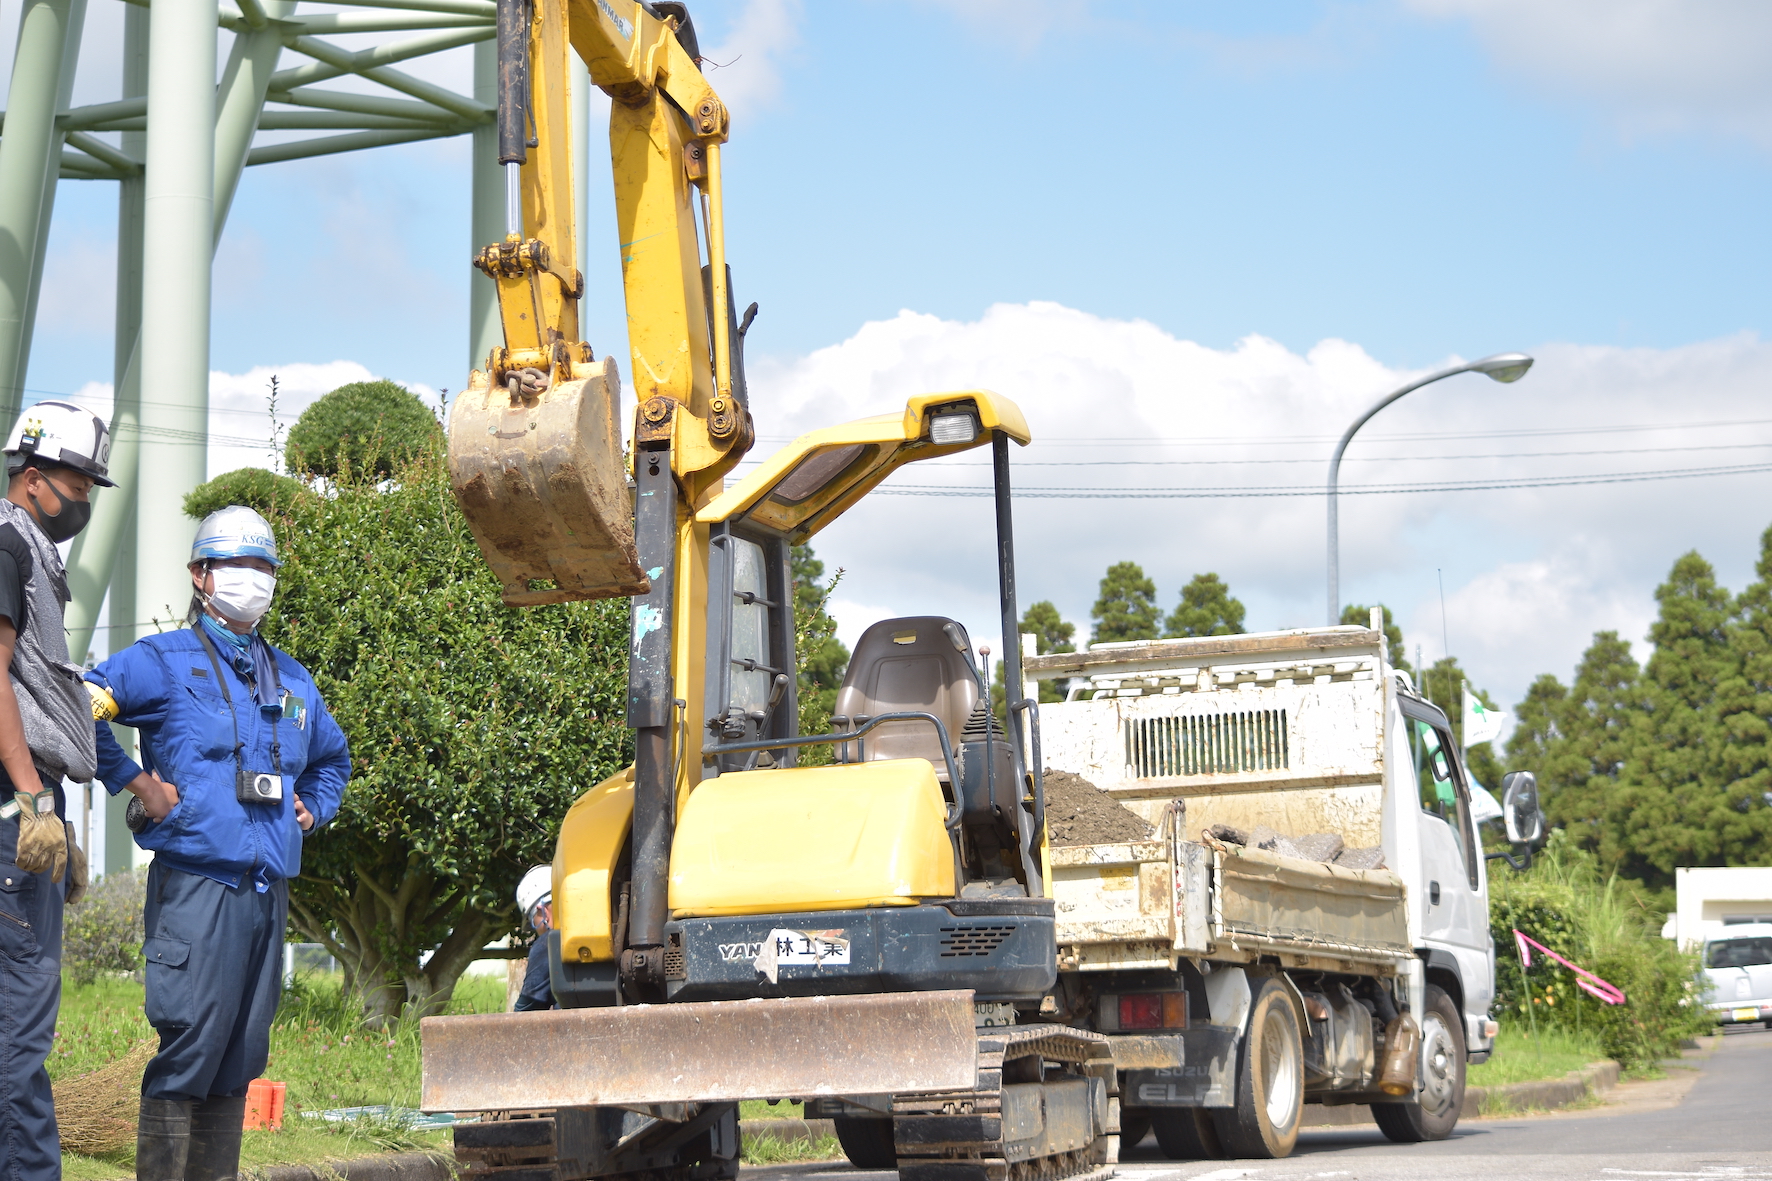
[(164, 686)]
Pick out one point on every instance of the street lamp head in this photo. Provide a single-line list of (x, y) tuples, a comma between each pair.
[(1504, 367)]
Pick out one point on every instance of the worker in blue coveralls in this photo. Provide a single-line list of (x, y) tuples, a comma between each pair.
[(54, 456), (535, 902), (242, 761)]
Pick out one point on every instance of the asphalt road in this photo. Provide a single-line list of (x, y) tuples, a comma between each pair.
[(1712, 1118)]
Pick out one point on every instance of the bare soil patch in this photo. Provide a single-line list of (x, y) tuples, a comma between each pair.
[(1079, 813)]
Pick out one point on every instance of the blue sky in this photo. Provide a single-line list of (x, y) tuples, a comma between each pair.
[(1418, 180)]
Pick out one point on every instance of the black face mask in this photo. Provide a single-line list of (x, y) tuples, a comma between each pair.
[(68, 519)]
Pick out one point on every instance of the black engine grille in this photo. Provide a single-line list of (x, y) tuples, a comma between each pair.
[(966, 941)]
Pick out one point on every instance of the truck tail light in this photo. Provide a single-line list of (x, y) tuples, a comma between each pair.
[(1153, 1010)]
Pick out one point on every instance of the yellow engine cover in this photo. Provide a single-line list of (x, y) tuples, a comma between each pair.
[(812, 838)]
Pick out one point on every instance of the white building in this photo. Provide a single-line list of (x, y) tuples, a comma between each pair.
[(1710, 899)]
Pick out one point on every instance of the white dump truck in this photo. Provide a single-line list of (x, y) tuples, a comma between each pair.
[(1308, 921)]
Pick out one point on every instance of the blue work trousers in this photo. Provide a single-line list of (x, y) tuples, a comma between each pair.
[(214, 962), (30, 995)]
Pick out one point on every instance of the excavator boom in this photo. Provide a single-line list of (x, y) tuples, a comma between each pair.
[(535, 439)]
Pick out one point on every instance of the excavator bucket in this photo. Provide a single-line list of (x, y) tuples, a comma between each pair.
[(544, 489)]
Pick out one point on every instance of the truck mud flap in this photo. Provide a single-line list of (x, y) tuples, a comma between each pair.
[(701, 1052), (1205, 1078)]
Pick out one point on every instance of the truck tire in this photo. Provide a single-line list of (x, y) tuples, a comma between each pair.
[(1134, 1127), (867, 1142), (1439, 1088), (1270, 1080), (1186, 1133)]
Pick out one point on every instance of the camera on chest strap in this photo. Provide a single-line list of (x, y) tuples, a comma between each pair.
[(258, 787)]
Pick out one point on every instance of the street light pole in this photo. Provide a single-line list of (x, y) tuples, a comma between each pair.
[(1503, 367)]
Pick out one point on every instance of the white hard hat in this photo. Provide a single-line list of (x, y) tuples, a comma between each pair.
[(61, 433), (234, 532), (536, 888)]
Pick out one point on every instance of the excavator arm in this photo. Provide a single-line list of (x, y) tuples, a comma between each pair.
[(535, 440)]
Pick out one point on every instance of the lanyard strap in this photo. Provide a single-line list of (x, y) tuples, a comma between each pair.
[(222, 681)]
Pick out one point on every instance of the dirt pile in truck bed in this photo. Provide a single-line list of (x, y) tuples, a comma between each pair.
[(1079, 813)]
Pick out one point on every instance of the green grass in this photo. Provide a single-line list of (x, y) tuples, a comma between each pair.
[(768, 1150), (1520, 1057), (763, 1109), (320, 1047)]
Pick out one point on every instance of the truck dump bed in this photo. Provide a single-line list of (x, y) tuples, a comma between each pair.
[(1282, 729)]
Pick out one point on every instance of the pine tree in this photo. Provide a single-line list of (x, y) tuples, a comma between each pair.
[(1393, 635), (1671, 803), (1127, 607), (1743, 814), (1051, 634), (1599, 726), (1206, 609)]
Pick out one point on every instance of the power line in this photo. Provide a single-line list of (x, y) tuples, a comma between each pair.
[(1290, 490), (1026, 463), (1420, 436)]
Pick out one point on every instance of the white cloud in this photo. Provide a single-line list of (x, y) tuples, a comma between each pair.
[(1530, 573), (745, 67), (239, 406), (1656, 65), (1022, 24)]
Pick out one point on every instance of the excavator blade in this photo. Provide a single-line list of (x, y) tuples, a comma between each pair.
[(700, 1052), (545, 491)]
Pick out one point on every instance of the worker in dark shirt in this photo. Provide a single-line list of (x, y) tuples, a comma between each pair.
[(535, 900), (54, 456)]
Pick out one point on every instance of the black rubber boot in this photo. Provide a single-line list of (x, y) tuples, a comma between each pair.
[(162, 1139), (215, 1139)]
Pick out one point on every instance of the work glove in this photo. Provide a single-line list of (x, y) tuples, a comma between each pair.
[(42, 841), (79, 875)]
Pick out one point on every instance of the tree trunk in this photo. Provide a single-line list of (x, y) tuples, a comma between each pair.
[(379, 930)]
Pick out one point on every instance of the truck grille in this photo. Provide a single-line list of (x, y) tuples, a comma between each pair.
[(1208, 744), (956, 941)]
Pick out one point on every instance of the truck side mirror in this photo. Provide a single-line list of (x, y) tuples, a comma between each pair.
[(1521, 814)]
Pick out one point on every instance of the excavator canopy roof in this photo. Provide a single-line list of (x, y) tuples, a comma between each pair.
[(816, 478)]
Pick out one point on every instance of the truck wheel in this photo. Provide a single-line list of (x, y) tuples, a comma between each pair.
[(867, 1142), (1270, 1080), (1134, 1127), (1439, 1087), (1186, 1133)]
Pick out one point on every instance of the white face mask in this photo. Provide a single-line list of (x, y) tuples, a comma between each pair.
[(243, 594)]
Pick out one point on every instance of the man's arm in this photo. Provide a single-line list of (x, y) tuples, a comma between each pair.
[(15, 756), (321, 785), (138, 691)]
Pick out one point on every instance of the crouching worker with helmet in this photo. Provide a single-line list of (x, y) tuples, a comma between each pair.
[(242, 761), (535, 902), (56, 453)]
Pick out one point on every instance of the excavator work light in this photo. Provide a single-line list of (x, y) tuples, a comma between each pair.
[(948, 429)]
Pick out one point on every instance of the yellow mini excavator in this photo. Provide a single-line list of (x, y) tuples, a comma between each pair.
[(874, 936)]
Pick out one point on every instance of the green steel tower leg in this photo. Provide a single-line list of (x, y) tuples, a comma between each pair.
[(92, 565), (29, 166), (485, 332), (178, 243), (242, 100)]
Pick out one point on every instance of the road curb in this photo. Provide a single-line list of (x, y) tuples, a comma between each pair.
[(400, 1166), (786, 1129), (1480, 1102)]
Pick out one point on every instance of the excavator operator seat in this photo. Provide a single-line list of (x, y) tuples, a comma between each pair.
[(918, 663)]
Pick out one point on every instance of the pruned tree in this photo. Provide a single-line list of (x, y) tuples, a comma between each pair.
[(472, 725), (366, 425)]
